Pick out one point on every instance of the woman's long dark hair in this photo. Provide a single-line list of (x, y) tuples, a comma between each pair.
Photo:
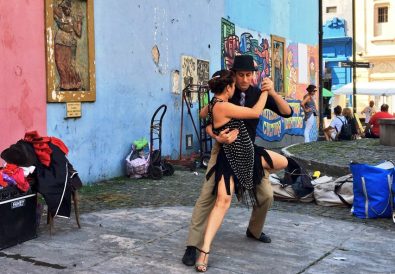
[(220, 80)]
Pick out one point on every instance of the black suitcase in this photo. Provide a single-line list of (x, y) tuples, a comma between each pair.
[(17, 217)]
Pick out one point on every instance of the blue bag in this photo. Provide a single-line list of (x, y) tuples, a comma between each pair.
[(373, 190)]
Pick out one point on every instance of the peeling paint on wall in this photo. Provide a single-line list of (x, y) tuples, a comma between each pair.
[(161, 38), (175, 81), (155, 54)]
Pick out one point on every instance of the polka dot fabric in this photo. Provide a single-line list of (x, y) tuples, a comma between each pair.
[(240, 153)]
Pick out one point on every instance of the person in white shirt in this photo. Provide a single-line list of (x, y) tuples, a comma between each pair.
[(335, 126), (369, 111)]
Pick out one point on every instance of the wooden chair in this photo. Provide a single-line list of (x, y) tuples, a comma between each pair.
[(74, 196)]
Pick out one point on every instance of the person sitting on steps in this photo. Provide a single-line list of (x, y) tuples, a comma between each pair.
[(335, 126)]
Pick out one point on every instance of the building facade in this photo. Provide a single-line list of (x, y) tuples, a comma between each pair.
[(337, 44), (375, 39), (339, 9), (140, 48), (375, 44)]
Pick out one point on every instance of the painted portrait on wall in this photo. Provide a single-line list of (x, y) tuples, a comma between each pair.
[(313, 64), (291, 71), (70, 50), (278, 63)]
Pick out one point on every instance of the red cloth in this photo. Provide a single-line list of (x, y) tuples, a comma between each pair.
[(17, 173), (375, 123), (59, 143), (10, 169), (2, 182), (41, 147)]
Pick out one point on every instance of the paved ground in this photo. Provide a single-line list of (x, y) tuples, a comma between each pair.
[(139, 226), (334, 157), (151, 240)]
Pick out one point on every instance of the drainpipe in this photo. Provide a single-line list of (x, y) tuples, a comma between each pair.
[(320, 34), (354, 72)]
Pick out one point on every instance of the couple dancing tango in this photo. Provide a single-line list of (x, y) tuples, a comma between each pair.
[(236, 166)]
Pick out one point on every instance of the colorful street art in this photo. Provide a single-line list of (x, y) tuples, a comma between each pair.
[(313, 65), (272, 127), (278, 64), (237, 41), (300, 70), (312, 52), (291, 71)]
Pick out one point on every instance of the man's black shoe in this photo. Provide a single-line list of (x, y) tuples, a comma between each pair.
[(189, 258), (263, 238)]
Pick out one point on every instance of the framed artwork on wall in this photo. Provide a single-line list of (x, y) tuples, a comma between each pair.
[(70, 51), (278, 63)]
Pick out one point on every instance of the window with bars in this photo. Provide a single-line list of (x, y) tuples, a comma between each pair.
[(382, 16)]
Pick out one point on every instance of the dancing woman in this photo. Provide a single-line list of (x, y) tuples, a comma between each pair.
[(239, 166)]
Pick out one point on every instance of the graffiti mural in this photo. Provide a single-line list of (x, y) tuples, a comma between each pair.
[(229, 43), (291, 71), (263, 57), (237, 41), (298, 67), (278, 63), (312, 53), (272, 127)]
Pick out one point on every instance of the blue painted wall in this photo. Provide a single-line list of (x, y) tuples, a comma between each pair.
[(296, 21), (130, 86)]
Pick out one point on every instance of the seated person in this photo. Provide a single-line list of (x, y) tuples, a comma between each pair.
[(369, 111), (373, 127), (335, 126), (347, 113)]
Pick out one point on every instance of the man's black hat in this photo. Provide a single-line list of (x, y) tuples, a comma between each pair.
[(243, 62)]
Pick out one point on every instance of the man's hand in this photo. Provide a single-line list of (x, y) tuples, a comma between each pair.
[(227, 136), (267, 85)]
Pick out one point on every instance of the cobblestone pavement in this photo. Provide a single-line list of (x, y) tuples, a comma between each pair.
[(334, 157), (182, 189), (139, 226)]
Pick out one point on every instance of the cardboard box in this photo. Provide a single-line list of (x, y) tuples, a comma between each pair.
[(17, 220)]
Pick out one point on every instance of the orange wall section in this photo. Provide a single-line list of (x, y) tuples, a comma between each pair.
[(22, 70)]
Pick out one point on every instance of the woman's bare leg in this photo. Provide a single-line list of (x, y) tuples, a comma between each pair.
[(279, 161), (216, 217)]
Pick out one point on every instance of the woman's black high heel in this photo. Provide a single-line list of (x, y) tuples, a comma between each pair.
[(202, 267)]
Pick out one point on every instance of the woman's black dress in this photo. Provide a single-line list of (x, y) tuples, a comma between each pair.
[(239, 159)]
